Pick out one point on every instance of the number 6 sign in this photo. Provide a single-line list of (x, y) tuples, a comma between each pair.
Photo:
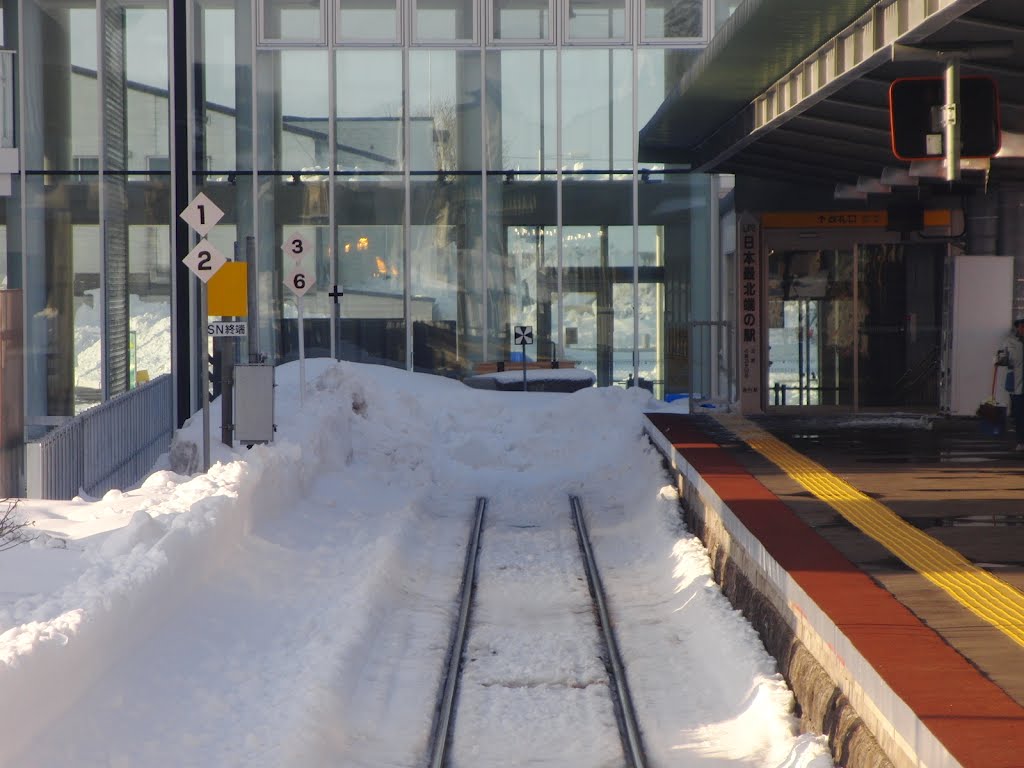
[(299, 281)]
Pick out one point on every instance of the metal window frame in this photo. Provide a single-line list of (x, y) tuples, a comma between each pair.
[(493, 41), (597, 42), (340, 40), (263, 41), (457, 42)]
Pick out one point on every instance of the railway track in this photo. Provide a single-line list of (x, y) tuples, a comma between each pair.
[(445, 724)]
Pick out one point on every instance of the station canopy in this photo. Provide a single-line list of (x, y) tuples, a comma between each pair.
[(798, 90)]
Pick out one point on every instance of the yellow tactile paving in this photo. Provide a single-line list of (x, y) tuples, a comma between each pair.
[(986, 596)]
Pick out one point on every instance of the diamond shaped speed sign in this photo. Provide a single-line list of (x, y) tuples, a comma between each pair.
[(201, 214), (523, 334), (204, 260), (300, 281), (296, 246)]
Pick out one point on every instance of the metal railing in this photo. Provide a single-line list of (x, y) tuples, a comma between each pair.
[(110, 446)]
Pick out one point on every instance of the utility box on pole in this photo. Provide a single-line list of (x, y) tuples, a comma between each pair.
[(254, 404)]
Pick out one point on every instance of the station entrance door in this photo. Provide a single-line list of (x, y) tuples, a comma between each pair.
[(854, 320)]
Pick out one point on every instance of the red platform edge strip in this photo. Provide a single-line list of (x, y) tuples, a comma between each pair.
[(977, 722)]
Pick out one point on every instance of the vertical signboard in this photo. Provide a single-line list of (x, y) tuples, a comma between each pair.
[(750, 327)]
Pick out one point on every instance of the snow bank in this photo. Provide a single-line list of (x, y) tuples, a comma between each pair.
[(56, 645)]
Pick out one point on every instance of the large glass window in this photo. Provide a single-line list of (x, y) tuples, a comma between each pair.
[(219, 116), (369, 107), (300, 111), (522, 112), (370, 207), (597, 112), (449, 165), (521, 20), (368, 21), (445, 115)]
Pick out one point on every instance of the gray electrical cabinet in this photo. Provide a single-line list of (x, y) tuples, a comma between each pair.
[(254, 403)]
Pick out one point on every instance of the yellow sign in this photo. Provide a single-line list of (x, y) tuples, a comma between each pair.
[(227, 292), (836, 219)]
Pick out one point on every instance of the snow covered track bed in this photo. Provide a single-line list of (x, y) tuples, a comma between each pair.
[(571, 668)]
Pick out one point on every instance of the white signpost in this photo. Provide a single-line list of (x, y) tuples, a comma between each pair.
[(523, 335), (299, 281), (204, 260)]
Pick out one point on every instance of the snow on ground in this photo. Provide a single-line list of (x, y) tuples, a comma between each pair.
[(292, 605)]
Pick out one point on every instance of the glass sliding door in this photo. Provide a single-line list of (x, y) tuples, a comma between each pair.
[(811, 327), (855, 325), (899, 289)]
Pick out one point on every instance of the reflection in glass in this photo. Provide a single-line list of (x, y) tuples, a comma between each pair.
[(301, 142), (217, 113), (298, 20), (521, 111), (597, 20), (723, 10), (369, 105), (597, 108), (63, 298), (673, 233), (650, 307), (149, 279), (446, 273), (658, 72), (371, 268), (597, 305), (445, 20), (445, 117), (146, 86), (366, 21), (521, 20), (673, 18)]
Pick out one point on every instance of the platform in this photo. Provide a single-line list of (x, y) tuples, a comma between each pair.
[(909, 532)]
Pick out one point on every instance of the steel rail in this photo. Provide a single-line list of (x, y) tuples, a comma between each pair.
[(629, 731), (446, 706)]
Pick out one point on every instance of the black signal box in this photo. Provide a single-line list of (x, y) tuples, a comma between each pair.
[(916, 106)]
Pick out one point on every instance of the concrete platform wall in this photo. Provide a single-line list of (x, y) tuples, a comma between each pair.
[(838, 692)]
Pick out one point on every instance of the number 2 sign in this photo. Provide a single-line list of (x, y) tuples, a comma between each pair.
[(204, 260)]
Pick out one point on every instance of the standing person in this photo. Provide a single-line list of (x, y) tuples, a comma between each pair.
[(1015, 353)]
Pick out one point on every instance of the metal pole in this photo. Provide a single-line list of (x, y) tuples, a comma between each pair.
[(524, 364), (951, 119), (302, 352), (205, 376), (252, 295), (227, 385)]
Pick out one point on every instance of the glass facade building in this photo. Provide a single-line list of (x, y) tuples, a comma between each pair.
[(456, 167)]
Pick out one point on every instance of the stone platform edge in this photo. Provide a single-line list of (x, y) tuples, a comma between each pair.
[(839, 693)]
